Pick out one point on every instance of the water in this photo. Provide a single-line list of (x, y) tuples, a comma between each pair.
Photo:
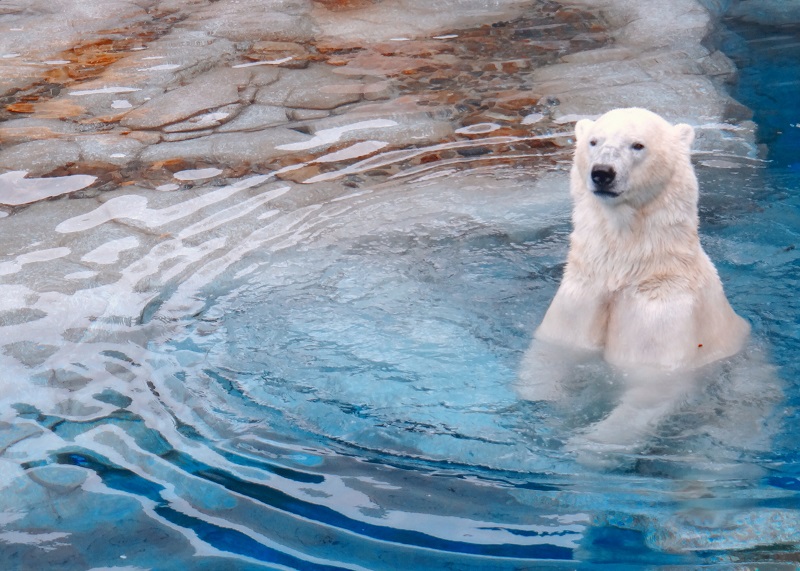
[(313, 363)]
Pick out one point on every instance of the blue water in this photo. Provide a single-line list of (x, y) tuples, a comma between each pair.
[(769, 62), (345, 398), (386, 357)]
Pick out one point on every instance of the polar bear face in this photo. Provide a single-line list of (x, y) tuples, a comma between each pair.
[(628, 156)]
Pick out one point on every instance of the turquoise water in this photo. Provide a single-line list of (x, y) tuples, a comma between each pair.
[(344, 397)]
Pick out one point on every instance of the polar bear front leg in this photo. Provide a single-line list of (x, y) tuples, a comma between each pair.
[(652, 341), (577, 317), (649, 397), (571, 333), (546, 368)]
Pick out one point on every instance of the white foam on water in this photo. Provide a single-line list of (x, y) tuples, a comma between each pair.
[(437, 174), (573, 118), (720, 164), (290, 168), (129, 206)]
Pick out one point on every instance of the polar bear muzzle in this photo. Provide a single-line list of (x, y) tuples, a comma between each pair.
[(603, 177)]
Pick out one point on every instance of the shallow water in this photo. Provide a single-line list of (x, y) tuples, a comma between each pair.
[(242, 372)]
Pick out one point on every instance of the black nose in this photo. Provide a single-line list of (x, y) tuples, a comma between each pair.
[(603, 175)]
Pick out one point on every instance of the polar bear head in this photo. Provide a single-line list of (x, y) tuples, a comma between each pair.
[(629, 156)]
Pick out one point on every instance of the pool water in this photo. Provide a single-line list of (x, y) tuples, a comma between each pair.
[(339, 389)]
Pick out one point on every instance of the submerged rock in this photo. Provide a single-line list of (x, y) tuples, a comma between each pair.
[(253, 20), (258, 147), (256, 117), (405, 18), (285, 54), (240, 83), (28, 129), (317, 87), (209, 91), (40, 157), (109, 149), (660, 67)]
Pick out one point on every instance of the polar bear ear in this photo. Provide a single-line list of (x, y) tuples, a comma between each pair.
[(685, 134), (581, 128)]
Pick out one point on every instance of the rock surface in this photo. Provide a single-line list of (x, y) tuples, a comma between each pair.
[(661, 67), (207, 91), (149, 88)]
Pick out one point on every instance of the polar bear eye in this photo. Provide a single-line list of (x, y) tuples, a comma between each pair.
[(637, 146), (593, 142)]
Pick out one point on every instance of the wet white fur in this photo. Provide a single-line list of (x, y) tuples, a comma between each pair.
[(638, 287), (637, 284)]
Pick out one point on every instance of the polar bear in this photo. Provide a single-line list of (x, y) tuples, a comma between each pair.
[(637, 288)]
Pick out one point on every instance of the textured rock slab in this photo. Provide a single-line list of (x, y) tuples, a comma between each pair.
[(395, 129), (406, 18), (652, 64), (227, 148), (209, 91), (317, 87), (177, 57), (251, 20), (40, 157), (208, 120), (285, 54), (29, 129), (256, 117), (109, 149), (210, 81)]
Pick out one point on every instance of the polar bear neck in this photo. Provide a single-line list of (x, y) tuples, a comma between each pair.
[(624, 243)]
